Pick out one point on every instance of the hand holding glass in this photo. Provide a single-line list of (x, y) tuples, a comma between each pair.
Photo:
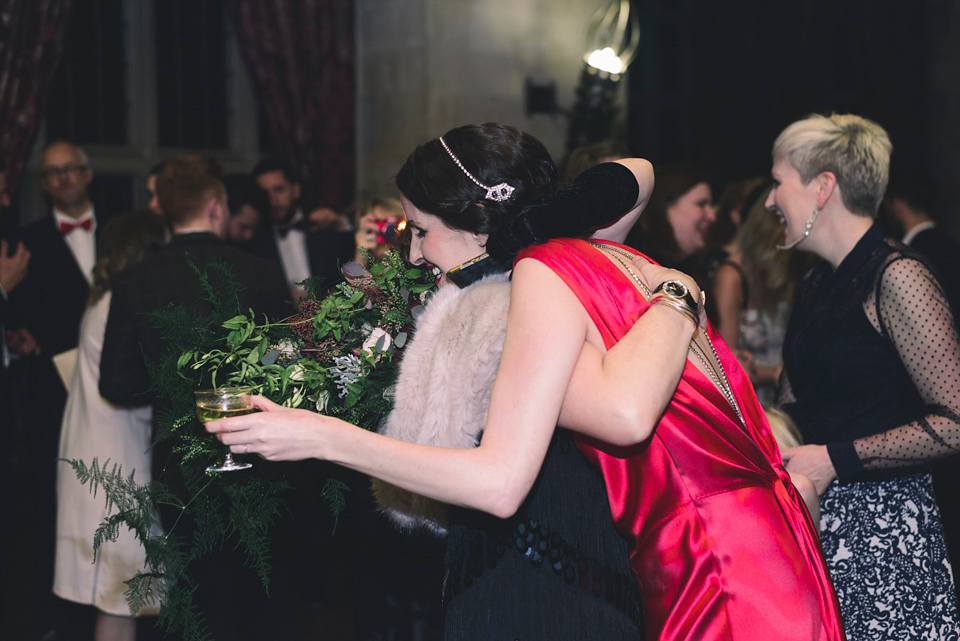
[(224, 402)]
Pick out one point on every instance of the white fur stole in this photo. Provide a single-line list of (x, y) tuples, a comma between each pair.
[(443, 389)]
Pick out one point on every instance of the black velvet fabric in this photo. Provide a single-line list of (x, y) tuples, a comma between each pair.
[(596, 198), (557, 569)]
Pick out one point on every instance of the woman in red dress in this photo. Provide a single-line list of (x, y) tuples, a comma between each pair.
[(720, 543), (597, 341)]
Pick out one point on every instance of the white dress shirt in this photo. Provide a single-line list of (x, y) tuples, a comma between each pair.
[(82, 243), (910, 235), (293, 253)]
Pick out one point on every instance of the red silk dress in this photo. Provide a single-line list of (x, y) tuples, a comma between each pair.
[(721, 543)]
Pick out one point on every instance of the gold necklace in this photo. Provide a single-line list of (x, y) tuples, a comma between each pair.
[(616, 250), (719, 379)]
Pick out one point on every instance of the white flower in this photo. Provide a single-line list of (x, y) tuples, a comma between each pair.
[(296, 374), (296, 399), (378, 338), (323, 400), (286, 348)]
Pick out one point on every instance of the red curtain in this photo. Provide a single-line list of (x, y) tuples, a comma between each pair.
[(300, 56), (31, 41)]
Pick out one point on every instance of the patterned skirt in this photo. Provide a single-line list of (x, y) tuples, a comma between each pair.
[(884, 546)]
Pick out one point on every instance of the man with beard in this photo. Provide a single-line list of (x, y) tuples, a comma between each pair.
[(314, 245)]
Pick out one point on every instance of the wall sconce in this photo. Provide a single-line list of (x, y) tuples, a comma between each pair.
[(612, 41), (539, 98)]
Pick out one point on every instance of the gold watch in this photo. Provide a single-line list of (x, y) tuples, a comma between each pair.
[(677, 291)]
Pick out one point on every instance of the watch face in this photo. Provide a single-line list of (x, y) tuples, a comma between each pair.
[(675, 288)]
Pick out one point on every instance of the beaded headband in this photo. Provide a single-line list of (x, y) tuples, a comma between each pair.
[(497, 193)]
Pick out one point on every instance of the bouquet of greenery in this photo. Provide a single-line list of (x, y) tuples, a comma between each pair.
[(336, 355)]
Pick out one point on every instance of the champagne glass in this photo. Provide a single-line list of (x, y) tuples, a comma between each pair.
[(224, 402)]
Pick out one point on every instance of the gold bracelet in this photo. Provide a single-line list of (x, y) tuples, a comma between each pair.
[(681, 307)]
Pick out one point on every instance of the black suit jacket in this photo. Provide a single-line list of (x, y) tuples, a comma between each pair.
[(52, 298), (943, 251), (326, 250), (166, 277)]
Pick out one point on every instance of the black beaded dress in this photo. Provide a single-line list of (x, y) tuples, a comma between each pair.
[(872, 362), (559, 558), (558, 569)]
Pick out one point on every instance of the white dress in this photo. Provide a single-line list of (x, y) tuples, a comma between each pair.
[(92, 427)]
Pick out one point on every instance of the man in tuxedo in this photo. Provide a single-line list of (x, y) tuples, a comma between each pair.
[(45, 312), (53, 297), (306, 245), (194, 202)]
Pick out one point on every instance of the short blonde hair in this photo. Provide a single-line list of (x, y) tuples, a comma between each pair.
[(854, 149), (390, 204)]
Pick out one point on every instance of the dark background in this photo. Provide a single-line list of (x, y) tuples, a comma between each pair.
[(715, 82)]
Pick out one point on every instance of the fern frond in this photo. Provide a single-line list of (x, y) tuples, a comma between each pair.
[(333, 493)]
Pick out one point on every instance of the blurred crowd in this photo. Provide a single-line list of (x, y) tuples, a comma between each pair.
[(75, 284)]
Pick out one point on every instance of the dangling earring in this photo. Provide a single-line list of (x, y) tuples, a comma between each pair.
[(806, 230)]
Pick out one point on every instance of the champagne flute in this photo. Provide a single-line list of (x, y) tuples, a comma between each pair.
[(224, 402)]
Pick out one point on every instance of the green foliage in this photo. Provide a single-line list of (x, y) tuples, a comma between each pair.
[(334, 493), (322, 358), (336, 356)]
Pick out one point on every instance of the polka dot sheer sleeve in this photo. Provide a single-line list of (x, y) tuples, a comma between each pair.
[(908, 307)]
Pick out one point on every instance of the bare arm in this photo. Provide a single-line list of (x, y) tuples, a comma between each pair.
[(546, 330), (643, 171), (728, 298), (619, 396)]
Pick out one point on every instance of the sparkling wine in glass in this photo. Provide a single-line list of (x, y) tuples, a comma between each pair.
[(224, 402)]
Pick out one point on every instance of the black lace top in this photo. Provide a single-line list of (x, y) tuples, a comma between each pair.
[(872, 361)]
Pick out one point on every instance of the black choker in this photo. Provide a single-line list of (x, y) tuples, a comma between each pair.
[(476, 268)]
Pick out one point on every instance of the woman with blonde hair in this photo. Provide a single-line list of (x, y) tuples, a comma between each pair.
[(872, 379), (752, 293)]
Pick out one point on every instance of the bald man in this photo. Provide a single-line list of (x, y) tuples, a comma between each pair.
[(48, 305)]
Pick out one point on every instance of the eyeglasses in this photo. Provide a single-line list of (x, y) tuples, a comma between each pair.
[(56, 172)]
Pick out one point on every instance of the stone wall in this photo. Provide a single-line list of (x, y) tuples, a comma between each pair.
[(426, 66)]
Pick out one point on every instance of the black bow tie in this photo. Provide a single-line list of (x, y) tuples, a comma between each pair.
[(285, 227)]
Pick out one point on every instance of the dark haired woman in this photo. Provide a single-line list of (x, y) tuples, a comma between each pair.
[(92, 427), (675, 224), (719, 542), (247, 204)]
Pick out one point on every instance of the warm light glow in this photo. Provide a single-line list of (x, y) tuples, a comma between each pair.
[(605, 60), (401, 226)]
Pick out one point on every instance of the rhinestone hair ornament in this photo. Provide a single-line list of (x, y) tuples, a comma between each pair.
[(497, 193)]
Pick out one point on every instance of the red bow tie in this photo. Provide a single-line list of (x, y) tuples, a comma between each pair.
[(66, 228)]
